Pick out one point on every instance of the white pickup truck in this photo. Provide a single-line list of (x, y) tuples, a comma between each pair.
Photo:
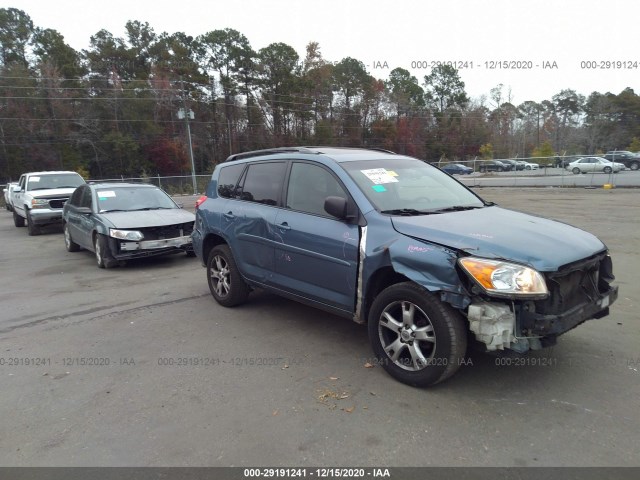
[(39, 197)]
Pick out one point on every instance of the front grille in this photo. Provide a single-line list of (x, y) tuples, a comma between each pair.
[(169, 231), (576, 284), (57, 202)]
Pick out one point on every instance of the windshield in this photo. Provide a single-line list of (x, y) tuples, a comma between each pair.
[(409, 185), (59, 180), (126, 199)]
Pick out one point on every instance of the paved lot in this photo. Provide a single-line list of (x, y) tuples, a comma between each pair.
[(138, 366)]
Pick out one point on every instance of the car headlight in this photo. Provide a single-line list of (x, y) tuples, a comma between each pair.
[(133, 235), (39, 203), (504, 279)]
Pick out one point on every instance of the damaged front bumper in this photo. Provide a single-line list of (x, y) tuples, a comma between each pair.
[(123, 250), (518, 327)]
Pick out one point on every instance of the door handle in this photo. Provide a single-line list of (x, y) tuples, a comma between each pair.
[(284, 226), (229, 215)]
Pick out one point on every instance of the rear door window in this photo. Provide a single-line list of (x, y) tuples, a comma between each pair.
[(263, 183)]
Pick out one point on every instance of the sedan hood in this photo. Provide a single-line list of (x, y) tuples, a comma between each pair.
[(148, 218), (494, 232)]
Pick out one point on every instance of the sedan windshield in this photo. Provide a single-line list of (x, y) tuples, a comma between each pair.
[(406, 186), (126, 199)]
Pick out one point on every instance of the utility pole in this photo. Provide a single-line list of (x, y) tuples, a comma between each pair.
[(187, 113)]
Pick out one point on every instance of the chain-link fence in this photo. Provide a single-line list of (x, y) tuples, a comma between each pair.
[(176, 185)]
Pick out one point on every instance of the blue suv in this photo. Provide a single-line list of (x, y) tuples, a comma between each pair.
[(395, 243)]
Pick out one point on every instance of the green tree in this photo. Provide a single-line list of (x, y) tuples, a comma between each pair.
[(445, 88), (544, 150), (16, 29), (405, 92), (278, 67)]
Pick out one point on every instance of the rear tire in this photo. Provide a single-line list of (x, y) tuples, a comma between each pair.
[(418, 339), (225, 282)]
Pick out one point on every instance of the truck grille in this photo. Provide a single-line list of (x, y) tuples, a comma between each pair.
[(57, 202)]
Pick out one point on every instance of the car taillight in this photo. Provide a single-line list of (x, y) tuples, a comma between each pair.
[(200, 200)]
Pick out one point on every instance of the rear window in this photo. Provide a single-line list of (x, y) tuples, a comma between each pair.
[(228, 179)]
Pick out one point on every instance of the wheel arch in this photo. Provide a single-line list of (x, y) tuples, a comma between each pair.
[(210, 241)]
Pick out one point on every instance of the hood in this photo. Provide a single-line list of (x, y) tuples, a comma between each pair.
[(52, 192), (494, 232), (148, 218)]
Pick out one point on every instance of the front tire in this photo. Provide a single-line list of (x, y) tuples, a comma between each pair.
[(102, 252), (576, 170), (607, 170), (18, 221), (225, 282), (418, 339), (70, 245), (32, 228)]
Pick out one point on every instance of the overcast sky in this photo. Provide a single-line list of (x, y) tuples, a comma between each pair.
[(479, 34)]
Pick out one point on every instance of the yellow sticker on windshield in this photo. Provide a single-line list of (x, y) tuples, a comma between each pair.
[(392, 173), (379, 176)]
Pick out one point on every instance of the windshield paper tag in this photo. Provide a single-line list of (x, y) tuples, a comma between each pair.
[(34, 179), (106, 194), (379, 176)]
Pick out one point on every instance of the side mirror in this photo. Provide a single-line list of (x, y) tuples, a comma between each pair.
[(336, 206), (16, 188)]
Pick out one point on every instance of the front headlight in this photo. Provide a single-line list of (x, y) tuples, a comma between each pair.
[(133, 235), (504, 279), (39, 203)]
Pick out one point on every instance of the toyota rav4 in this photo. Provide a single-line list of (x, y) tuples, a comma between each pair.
[(395, 243)]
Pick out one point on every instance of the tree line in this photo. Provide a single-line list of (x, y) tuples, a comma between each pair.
[(121, 106)]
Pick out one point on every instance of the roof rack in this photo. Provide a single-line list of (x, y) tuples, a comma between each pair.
[(268, 151), (315, 150)]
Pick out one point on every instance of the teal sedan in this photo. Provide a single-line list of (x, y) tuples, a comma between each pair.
[(122, 221)]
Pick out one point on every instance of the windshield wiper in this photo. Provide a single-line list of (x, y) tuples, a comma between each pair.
[(406, 212), (113, 210), (458, 208), (150, 208)]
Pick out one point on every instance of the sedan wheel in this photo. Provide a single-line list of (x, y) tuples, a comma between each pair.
[(576, 170), (418, 339), (607, 170), (102, 252), (225, 282), (68, 242)]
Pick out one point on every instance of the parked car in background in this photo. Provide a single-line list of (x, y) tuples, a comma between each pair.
[(531, 166), (38, 198), (629, 159), (493, 166), (7, 196), (457, 169), (391, 242), (122, 221), (594, 164), (515, 165)]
